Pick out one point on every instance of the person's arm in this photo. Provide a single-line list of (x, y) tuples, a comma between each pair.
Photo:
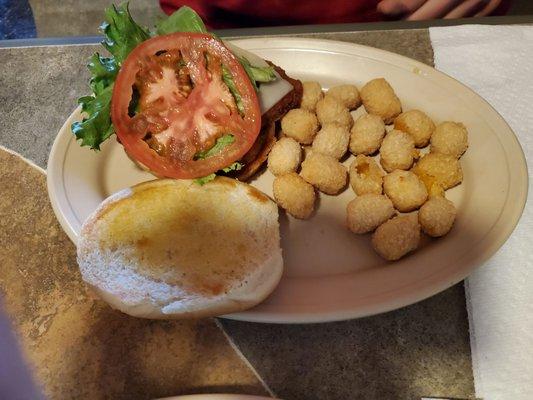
[(431, 9), (15, 379)]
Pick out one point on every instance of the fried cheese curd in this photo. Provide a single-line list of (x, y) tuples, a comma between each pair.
[(379, 98), (365, 213), (417, 124), (437, 216), (312, 93), (295, 195), (450, 138), (397, 151), (439, 172), (367, 134), (397, 237), (347, 95), (300, 124), (366, 177), (330, 110), (332, 140), (324, 172), (405, 189), (285, 156)]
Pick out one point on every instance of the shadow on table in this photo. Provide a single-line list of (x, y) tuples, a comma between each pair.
[(147, 359), (420, 350)]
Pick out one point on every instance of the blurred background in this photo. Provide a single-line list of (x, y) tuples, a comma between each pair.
[(59, 18)]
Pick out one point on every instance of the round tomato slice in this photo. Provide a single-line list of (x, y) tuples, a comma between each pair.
[(176, 97)]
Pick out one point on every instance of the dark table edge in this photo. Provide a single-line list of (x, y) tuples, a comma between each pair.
[(295, 30)]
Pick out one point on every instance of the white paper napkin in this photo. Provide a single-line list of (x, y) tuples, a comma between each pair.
[(497, 62)]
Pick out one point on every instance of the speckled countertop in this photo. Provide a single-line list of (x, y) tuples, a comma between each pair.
[(80, 348)]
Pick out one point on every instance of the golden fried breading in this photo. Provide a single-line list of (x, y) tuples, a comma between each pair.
[(312, 93), (397, 237), (367, 134), (347, 95), (295, 195), (324, 172), (450, 138), (417, 124), (397, 151), (437, 216), (440, 170), (366, 176), (332, 140), (285, 156), (405, 189), (379, 98), (365, 213), (330, 110), (300, 124)]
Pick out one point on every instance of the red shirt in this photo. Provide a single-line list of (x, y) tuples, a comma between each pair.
[(219, 14)]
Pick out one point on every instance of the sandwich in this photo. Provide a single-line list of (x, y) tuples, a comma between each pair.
[(188, 107), (183, 103)]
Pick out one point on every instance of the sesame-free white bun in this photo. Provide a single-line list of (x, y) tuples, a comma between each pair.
[(174, 249)]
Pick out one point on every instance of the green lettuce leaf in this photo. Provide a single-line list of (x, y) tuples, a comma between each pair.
[(97, 127), (202, 181), (121, 33), (257, 75), (236, 166), (103, 72), (228, 80), (219, 145), (184, 19)]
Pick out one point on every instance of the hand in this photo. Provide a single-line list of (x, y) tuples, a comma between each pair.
[(431, 9)]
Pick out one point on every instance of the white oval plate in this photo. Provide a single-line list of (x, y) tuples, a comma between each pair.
[(216, 397), (330, 273)]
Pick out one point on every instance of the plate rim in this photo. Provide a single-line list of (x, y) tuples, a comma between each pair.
[(520, 181), (54, 175), (216, 396)]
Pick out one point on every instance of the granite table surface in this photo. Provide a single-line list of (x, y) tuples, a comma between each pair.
[(81, 348)]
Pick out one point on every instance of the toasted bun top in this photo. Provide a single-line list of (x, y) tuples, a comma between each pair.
[(173, 249)]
